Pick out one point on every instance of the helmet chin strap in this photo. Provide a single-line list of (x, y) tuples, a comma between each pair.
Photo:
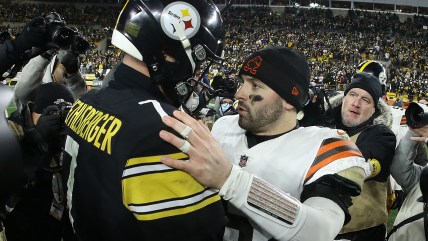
[(185, 43), (191, 103)]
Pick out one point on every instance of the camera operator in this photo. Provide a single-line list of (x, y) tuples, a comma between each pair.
[(35, 211), (50, 66), (315, 107), (225, 89), (410, 220)]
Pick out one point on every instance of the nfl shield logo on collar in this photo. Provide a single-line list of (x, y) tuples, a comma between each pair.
[(243, 161)]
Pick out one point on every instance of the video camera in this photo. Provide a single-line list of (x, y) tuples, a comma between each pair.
[(315, 108), (315, 90), (63, 107), (225, 87), (61, 36), (416, 115), (79, 45)]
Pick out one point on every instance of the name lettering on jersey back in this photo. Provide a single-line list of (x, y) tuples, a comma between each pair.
[(95, 126)]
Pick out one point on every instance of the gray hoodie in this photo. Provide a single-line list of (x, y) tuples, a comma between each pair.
[(39, 71)]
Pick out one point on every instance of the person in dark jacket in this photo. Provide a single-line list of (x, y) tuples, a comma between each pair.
[(118, 189), (35, 211), (363, 115)]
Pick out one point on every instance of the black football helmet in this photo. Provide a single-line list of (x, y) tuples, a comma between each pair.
[(375, 68), (191, 31)]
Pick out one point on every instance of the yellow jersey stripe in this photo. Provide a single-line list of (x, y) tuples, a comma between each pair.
[(177, 211), (157, 187)]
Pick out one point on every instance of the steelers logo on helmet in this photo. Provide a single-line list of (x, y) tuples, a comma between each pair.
[(190, 32), (180, 18), (382, 77)]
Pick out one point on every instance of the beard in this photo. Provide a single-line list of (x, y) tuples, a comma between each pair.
[(259, 117)]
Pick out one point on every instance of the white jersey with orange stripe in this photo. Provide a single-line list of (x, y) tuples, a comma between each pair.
[(273, 174)]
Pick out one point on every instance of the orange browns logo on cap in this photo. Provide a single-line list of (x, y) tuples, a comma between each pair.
[(295, 91), (253, 65)]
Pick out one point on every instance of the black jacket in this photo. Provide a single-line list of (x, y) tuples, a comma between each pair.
[(377, 144), (8, 56)]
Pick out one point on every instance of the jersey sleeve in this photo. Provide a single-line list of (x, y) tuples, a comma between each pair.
[(277, 213), (337, 172), (336, 154)]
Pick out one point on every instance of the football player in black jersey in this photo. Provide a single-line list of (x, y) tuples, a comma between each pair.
[(118, 189)]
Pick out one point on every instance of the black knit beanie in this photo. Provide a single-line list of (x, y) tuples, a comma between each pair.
[(284, 70), (47, 94), (367, 82)]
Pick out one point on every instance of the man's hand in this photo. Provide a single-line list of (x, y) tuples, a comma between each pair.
[(49, 123), (35, 34), (48, 55), (423, 131), (207, 162), (423, 102), (70, 61)]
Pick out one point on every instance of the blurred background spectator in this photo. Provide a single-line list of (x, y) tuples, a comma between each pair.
[(334, 40)]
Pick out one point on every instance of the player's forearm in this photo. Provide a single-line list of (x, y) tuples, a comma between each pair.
[(280, 215)]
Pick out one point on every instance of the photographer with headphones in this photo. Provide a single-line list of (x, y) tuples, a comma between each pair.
[(35, 209)]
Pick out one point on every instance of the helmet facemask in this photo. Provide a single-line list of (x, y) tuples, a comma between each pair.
[(179, 80), (191, 32)]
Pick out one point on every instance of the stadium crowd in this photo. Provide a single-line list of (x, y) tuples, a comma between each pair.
[(277, 55), (332, 44)]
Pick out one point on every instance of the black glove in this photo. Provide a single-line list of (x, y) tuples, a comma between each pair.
[(49, 124), (35, 34), (49, 53), (70, 61)]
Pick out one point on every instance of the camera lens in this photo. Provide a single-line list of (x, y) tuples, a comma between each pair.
[(62, 36), (80, 45), (416, 115)]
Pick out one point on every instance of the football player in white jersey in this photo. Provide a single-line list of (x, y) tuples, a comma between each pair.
[(280, 181)]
